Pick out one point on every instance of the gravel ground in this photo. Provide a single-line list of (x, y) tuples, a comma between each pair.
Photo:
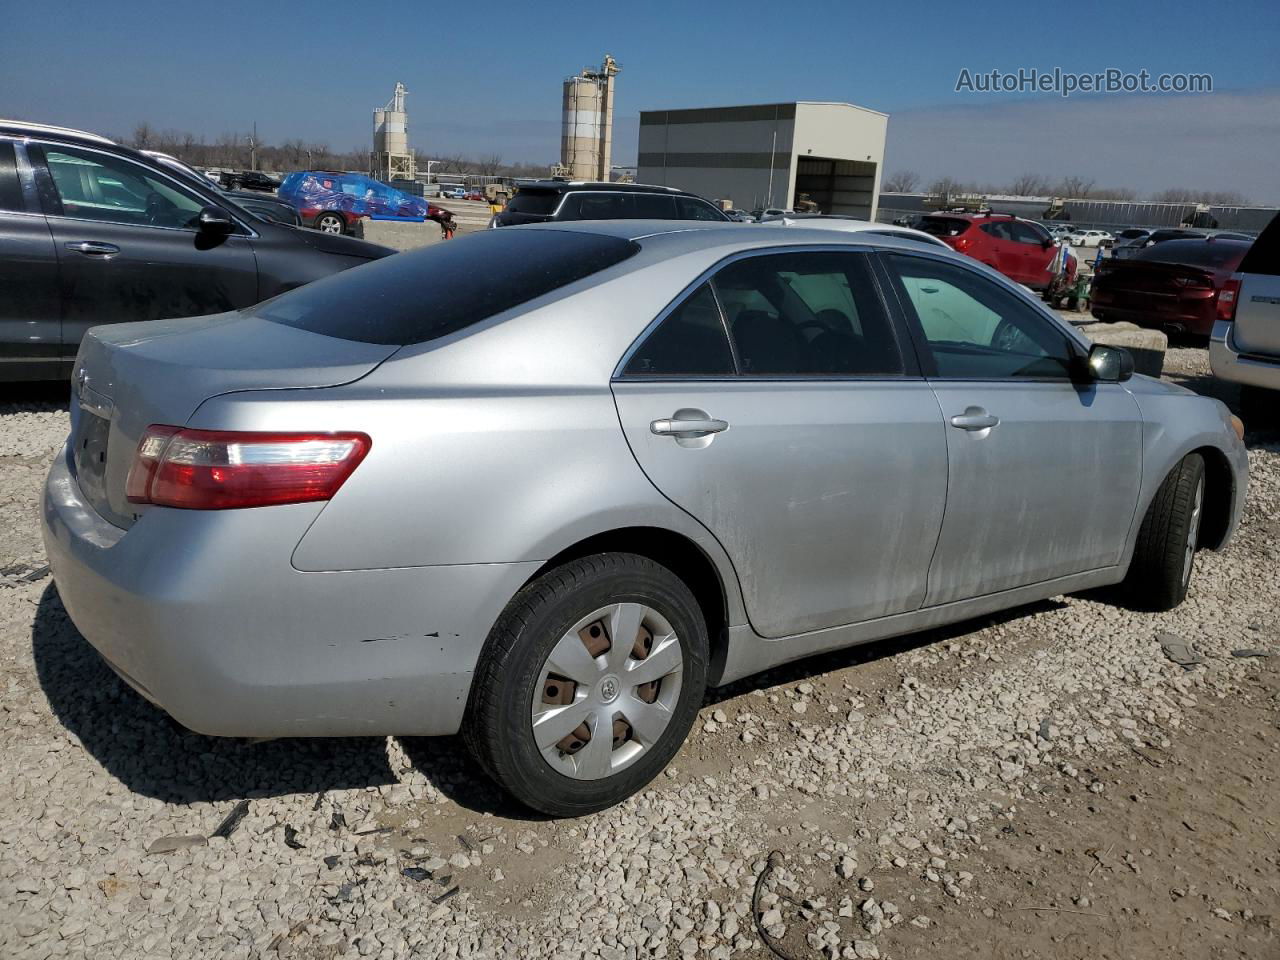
[(1040, 783)]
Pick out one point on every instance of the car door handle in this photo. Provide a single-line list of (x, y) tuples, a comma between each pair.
[(688, 428), (93, 248), (974, 418)]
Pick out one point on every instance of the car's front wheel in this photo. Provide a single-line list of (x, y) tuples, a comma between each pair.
[(1164, 555), (331, 223), (588, 683)]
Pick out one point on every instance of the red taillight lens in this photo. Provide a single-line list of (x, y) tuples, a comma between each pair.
[(221, 470), (959, 243), (1227, 299)]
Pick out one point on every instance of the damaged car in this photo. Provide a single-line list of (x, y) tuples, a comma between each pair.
[(644, 458)]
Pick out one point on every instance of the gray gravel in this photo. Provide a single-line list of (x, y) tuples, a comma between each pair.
[(889, 761)]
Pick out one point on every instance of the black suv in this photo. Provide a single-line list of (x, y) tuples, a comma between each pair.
[(544, 200), (92, 232)]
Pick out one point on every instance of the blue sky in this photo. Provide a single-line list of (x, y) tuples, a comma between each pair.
[(486, 78)]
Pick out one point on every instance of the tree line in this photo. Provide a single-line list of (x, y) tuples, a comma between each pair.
[(1036, 185), (240, 151)]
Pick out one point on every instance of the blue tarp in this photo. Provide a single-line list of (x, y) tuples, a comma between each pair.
[(311, 190)]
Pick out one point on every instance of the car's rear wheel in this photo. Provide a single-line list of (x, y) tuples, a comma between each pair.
[(331, 223), (588, 683), (1164, 556)]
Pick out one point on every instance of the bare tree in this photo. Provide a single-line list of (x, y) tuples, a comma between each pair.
[(1030, 185), (1227, 198), (143, 137), (946, 187), (1077, 187), (901, 181), (489, 165)]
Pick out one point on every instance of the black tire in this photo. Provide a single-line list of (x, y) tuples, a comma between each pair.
[(1160, 571), (331, 218), (498, 725)]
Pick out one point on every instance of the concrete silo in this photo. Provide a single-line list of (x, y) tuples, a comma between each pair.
[(586, 140), (392, 159)]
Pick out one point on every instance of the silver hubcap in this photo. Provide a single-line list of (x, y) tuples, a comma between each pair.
[(607, 692), (1193, 532), (330, 225)]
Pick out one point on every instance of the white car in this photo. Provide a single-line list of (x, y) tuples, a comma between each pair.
[(1090, 238), (851, 225)]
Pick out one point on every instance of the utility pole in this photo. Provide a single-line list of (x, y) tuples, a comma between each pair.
[(253, 148)]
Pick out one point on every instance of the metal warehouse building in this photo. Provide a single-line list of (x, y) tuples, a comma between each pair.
[(767, 155)]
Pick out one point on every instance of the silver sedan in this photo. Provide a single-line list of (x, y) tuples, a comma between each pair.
[(546, 485)]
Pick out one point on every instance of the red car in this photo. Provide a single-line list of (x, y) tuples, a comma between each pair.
[(1172, 286), (1020, 249), (474, 195)]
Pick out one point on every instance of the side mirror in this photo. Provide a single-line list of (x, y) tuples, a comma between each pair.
[(1108, 364), (215, 222), (1047, 242)]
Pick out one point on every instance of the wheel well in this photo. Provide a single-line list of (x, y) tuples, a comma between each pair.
[(678, 554), (1219, 492)]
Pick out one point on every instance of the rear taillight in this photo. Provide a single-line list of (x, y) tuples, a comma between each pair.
[(221, 470), (1227, 299), (959, 243)]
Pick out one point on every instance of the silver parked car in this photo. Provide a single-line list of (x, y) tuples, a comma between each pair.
[(550, 507), (1244, 347)]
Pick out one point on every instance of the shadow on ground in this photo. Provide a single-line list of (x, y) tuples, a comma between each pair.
[(151, 754)]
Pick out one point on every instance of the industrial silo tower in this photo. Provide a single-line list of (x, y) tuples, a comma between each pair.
[(586, 141), (391, 158)]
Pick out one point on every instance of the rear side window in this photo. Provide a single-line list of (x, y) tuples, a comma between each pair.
[(690, 342), (944, 226), (541, 203), (654, 206), (429, 293), (807, 314), (10, 189), (1264, 256), (600, 206)]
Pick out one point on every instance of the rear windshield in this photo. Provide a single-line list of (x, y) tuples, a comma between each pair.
[(1215, 254), (1264, 256), (429, 293), (944, 226), (542, 203)]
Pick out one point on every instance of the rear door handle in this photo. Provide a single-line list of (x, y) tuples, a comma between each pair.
[(974, 418), (688, 428), (93, 248)]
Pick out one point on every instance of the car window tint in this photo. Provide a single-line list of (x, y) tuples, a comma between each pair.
[(807, 314), (690, 341), (1025, 233), (540, 203), (976, 330), (654, 206), (944, 226), (1264, 256), (694, 209), (428, 293), (97, 186), (604, 206), (10, 188)]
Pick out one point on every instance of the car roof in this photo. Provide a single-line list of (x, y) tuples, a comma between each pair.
[(23, 129), (573, 186)]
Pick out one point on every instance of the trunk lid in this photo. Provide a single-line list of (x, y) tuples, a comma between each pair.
[(129, 376)]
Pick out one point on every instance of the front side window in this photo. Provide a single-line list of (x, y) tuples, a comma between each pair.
[(807, 314), (974, 329), (691, 341), (89, 185), (654, 206), (1029, 233)]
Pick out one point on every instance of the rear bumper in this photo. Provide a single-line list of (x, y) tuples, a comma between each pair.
[(1198, 320), (1229, 364), (202, 612)]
